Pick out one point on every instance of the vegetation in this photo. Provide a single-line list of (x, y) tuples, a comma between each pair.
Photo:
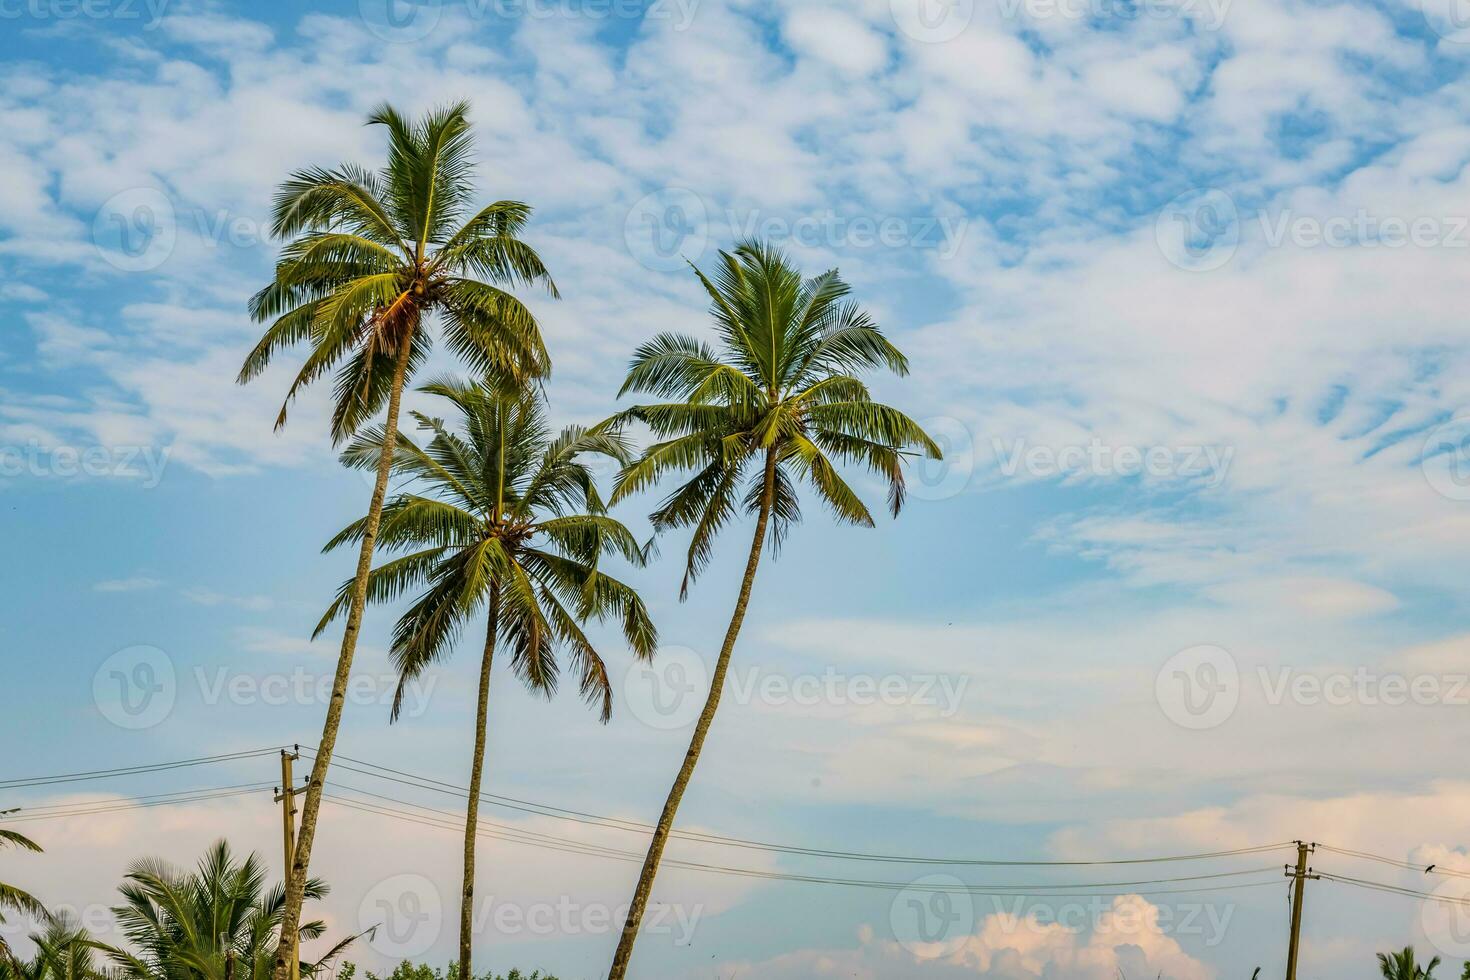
[(1402, 965), (371, 259), (510, 523), (777, 403), (218, 922), (408, 971), (17, 900), (63, 951)]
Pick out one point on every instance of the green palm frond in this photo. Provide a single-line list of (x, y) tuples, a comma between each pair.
[(781, 383), (371, 257)]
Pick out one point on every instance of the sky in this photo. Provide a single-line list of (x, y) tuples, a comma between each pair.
[(1180, 285)]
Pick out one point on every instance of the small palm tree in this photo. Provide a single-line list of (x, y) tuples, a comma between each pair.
[(218, 922), (17, 900), (63, 951), (1403, 966), (775, 404), (372, 259), (510, 525)]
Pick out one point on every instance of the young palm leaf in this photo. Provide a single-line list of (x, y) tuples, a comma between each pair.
[(509, 525), (778, 404), (373, 259)]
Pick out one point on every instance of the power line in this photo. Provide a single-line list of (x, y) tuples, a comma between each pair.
[(1077, 889), (73, 777), (1396, 890), (1394, 862), (90, 807), (615, 823)]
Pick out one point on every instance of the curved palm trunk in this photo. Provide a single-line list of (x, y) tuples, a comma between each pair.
[(472, 812), (296, 879), (701, 730)]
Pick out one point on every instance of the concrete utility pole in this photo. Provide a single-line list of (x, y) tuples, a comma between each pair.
[(287, 798), (1299, 875)]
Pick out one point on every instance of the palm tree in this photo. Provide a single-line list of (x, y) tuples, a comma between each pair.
[(1403, 966), (371, 257), (775, 403), (510, 524), (218, 922), (15, 899), (63, 952)]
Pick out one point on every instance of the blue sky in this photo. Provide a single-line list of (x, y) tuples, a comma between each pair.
[(1181, 284)]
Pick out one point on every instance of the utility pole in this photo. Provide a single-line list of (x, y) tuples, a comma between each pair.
[(1299, 876), (287, 798)]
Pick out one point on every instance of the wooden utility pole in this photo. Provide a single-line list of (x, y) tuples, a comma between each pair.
[(287, 798), (1299, 875)]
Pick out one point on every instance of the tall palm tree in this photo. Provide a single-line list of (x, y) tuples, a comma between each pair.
[(218, 922), (510, 524), (776, 403), (1402, 966), (15, 899), (372, 258)]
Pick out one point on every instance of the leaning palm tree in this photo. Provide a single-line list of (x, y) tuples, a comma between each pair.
[(373, 257), (218, 922), (776, 403), (15, 899), (1403, 966), (510, 524)]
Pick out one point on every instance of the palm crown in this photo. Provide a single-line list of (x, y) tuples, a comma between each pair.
[(510, 517), (780, 388), (15, 899), (217, 922), (372, 253)]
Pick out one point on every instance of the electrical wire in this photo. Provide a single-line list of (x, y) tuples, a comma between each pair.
[(613, 823), (89, 808), (73, 777), (1394, 862), (1394, 889)]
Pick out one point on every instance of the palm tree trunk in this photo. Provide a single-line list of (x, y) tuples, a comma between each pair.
[(296, 879), (472, 812), (701, 730)]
